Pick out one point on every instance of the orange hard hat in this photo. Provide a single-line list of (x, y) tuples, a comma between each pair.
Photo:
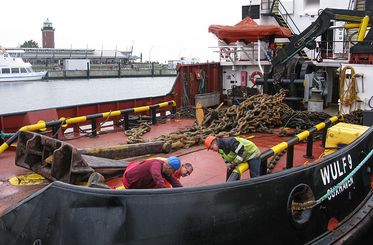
[(208, 141)]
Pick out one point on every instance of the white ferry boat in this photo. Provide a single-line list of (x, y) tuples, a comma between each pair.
[(13, 68)]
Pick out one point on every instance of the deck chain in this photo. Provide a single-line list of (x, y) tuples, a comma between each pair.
[(260, 113)]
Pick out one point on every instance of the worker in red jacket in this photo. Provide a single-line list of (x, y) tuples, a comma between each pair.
[(151, 173)]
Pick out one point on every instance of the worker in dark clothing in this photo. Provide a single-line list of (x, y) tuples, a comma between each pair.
[(239, 154), (151, 173)]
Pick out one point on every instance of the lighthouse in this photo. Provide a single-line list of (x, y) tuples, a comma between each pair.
[(48, 34)]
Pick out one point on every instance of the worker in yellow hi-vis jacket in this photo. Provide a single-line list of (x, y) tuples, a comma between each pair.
[(238, 153)]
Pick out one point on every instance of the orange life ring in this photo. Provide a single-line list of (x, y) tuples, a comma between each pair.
[(255, 73)]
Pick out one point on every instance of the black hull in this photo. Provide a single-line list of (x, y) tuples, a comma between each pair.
[(356, 228), (244, 212)]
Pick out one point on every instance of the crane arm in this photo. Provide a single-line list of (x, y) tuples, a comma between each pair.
[(308, 36)]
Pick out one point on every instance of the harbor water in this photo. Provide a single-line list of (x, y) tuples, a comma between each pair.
[(28, 96)]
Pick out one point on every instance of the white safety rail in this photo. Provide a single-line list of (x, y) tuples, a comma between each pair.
[(243, 54)]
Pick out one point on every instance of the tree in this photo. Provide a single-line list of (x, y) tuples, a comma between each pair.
[(30, 44)]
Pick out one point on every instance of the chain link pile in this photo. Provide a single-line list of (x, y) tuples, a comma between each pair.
[(135, 134), (303, 119), (261, 113), (355, 117)]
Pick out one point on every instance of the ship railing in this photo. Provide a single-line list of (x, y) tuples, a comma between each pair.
[(289, 144), (56, 125), (237, 53), (331, 50), (279, 8)]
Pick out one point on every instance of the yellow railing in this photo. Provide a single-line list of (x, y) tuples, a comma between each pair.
[(74, 120)]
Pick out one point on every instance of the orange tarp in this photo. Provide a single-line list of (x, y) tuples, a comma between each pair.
[(248, 31)]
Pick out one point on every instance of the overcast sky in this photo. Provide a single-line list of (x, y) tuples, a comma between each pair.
[(163, 30)]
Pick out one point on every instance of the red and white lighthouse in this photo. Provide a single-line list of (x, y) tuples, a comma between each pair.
[(48, 34)]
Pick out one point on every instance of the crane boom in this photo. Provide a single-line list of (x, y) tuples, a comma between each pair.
[(308, 36)]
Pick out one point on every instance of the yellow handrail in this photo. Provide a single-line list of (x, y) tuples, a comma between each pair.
[(74, 120)]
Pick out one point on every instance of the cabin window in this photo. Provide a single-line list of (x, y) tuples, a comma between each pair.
[(23, 70), (15, 70), (5, 70), (28, 70), (252, 11)]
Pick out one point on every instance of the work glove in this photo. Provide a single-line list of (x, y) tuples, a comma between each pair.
[(230, 165)]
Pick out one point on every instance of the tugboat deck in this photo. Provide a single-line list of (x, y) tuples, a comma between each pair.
[(209, 167)]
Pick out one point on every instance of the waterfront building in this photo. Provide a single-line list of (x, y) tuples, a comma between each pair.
[(57, 56), (47, 34), (48, 55)]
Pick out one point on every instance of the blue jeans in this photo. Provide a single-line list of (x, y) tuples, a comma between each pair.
[(254, 165)]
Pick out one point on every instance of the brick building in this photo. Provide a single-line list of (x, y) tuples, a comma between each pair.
[(48, 34)]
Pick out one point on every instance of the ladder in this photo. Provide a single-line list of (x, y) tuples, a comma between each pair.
[(357, 5), (282, 21), (360, 5)]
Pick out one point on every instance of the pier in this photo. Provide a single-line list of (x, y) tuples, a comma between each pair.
[(108, 71)]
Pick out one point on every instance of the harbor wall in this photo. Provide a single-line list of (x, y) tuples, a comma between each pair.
[(64, 74)]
